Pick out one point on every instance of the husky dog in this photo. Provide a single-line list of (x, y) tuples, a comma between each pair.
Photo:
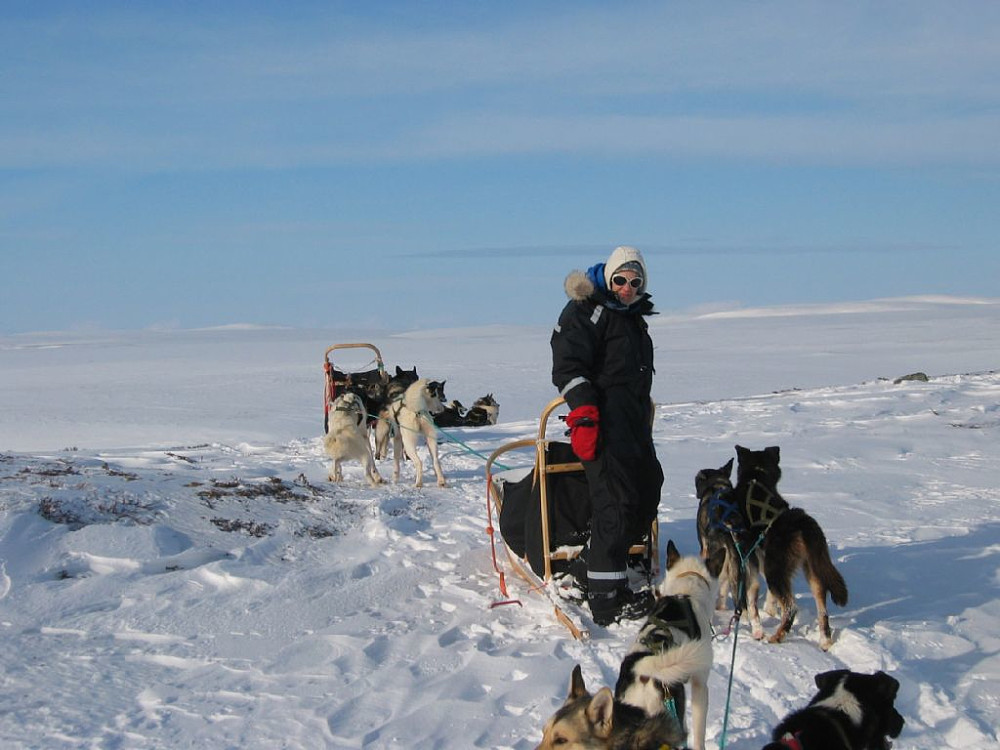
[(721, 526), (852, 711), (347, 437), (386, 425), (674, 645), (436, 389), (484, 411), (414, 416), (452, 415), (792, 540), (598, 722)]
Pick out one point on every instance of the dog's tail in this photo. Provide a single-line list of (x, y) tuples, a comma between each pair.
[(819, 560)]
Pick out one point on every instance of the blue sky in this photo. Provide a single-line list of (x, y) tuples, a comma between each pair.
[(405, 164)]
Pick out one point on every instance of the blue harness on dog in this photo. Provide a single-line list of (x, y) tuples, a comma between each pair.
[(724, 512)]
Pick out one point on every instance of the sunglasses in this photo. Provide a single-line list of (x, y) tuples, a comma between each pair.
[(622, 281)]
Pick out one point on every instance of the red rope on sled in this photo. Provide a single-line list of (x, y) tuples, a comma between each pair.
[(493, 549), (327, 389)]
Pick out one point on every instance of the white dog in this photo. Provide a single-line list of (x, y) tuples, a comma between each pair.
[(413, 415), (347, 437), (674, 646)]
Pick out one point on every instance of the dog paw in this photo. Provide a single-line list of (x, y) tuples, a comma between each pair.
[(777, 637)]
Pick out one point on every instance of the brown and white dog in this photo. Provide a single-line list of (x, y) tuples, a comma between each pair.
[(600, 722)]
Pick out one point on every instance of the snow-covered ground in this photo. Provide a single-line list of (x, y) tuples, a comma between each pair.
[(175, 570)]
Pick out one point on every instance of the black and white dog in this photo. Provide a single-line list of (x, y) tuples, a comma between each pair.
[(852, 711), (452, 415), (484, 411), (674, 646)]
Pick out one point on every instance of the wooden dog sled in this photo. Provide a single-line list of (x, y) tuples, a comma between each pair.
[(558, 479), (370, 384)]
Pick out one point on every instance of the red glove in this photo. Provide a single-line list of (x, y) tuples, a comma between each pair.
[(583, 430)]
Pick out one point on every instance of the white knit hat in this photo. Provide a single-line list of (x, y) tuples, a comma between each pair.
[(625, 258)]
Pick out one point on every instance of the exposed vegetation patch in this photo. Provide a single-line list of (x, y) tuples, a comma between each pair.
[(249, 527), (271, 488), (93, 508)]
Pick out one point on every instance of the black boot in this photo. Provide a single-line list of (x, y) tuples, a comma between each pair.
[(619, 604)]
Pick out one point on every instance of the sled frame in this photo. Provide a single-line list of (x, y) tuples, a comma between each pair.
[(541, 471), (333, 383)]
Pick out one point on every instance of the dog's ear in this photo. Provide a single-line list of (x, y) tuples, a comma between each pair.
[(600, 712), (672, 554), (827, 680), (773, 452), (887, 685), (577, 688), (728, 468), (896, 723), (742, 453)]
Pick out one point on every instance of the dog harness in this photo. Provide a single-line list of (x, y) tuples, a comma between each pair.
[(670, 613), (359, 414), (791, 741), (724, 511), (762, 510)]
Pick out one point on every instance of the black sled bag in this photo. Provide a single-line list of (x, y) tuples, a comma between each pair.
[(569, 510)]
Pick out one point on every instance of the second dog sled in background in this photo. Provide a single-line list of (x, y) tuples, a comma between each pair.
[(368, 383)]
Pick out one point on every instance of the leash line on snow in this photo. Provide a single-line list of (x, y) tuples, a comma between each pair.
[(736, 624), (468, 448), (393, 425)]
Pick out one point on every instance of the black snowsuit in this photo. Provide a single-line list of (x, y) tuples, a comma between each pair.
[(602, 355)]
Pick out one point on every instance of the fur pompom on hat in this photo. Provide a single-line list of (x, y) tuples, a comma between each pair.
[(626, 258)]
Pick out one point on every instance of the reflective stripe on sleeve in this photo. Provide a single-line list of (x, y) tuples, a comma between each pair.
[(572, 384), (607, 575)]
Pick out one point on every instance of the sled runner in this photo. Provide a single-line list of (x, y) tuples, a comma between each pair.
[(369, 384), (544, 520)]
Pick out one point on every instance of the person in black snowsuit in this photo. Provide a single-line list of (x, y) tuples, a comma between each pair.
[(602, 364)]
